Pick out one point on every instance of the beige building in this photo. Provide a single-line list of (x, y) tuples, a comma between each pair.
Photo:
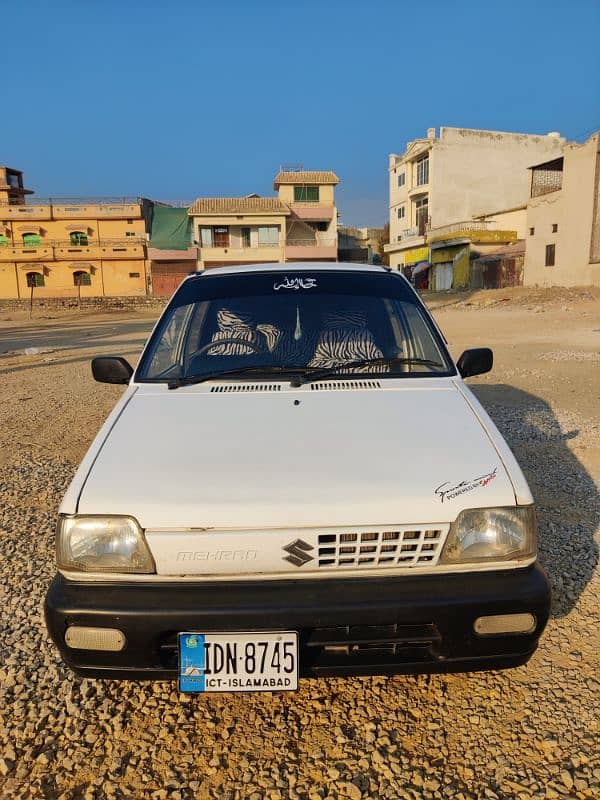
[(63, 247), (508, 219), (362, 245), (299, 224), (443, 181), (563, 218)]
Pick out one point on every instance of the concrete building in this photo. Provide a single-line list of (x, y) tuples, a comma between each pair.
[(299, 224), (63, 247), (446, 180), (453, 247), (563, 218), (361, 245)]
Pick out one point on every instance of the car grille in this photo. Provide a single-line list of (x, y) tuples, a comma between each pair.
[(393, 643), (245, 387), (348, 646), (341, 385), (403, 547)]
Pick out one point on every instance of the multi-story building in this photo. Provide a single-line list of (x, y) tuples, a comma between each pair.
[(300, 224), (311, 227), (563, 218), (63, 247), (444, 181)]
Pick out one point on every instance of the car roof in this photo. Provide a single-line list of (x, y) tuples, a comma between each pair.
[(291, 266)]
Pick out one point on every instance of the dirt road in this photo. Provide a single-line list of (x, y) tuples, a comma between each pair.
[(529, 732)]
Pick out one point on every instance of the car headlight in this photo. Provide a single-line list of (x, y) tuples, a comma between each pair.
[(102, 544), (491, 534)]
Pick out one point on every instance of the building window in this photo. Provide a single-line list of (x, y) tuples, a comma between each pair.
[(306, 194), (547, 177), (221, 236), (401, 212), (246, 240), (550, 254), (531, 231), (422, 215), (130, 222), (268, 236), (130, 233), (206, 237), (82, 278), (554, 227), (79, 238), (423, 170), (322, 226), (134, 274), (402, 179), (31, 240), (35, 279)]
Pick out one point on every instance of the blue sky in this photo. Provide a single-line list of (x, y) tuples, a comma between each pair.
[(176, 99)]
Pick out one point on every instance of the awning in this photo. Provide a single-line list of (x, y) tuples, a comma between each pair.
[(445, 254), (78, 227)]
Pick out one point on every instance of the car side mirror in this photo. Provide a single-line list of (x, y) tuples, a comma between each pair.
[(111, 369), (475, 361)]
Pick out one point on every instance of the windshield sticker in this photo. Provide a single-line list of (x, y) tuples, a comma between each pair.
[(448, 490), (296, 283)]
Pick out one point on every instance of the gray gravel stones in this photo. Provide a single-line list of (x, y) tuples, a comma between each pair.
[(525, 733), (570, 355)]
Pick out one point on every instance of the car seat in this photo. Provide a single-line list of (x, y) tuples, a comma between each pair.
[(345, 337), (238, 325)]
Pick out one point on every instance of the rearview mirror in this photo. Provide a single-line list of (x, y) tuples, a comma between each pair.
[(111, 369), (475, 361)]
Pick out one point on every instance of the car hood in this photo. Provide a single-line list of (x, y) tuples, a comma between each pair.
[(406, 451)]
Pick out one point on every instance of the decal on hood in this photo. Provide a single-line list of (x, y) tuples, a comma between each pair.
[(449, 490), (296, 283)]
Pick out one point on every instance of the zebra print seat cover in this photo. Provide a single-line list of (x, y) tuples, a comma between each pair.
[(345, 337), (237, 325)]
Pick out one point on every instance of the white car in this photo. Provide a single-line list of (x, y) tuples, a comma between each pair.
[(296, 482)]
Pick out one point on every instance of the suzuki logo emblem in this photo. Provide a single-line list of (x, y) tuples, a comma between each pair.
[(297, 553)]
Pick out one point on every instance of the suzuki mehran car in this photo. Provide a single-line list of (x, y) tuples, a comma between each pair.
[(296, 482)]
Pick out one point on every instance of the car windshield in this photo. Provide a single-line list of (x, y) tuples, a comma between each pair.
[(280, 324)]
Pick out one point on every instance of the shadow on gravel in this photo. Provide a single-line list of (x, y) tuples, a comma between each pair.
[(566, 496)]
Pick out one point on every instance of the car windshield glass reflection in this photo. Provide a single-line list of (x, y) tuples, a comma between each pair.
[(300, 325)]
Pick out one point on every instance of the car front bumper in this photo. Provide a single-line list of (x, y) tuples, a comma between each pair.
[(370, 626)]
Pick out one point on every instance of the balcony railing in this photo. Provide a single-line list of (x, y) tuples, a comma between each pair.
[(73, 201), (311, 243), (407, 233), (466, 227), (129, 240), (239, 246), (49, 249)]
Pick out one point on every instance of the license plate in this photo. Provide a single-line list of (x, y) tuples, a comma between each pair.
[(238, 662)]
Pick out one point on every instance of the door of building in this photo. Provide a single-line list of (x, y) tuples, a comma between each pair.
[(167, 276), (221, 236), (443, 276)]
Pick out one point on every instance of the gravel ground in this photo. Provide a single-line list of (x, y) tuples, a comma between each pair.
[(528, 732)]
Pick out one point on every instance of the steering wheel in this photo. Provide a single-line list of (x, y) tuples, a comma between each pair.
[(219, 342)]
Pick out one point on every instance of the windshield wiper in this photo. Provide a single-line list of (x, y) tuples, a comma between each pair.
[(388, 361), (190, 380)]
